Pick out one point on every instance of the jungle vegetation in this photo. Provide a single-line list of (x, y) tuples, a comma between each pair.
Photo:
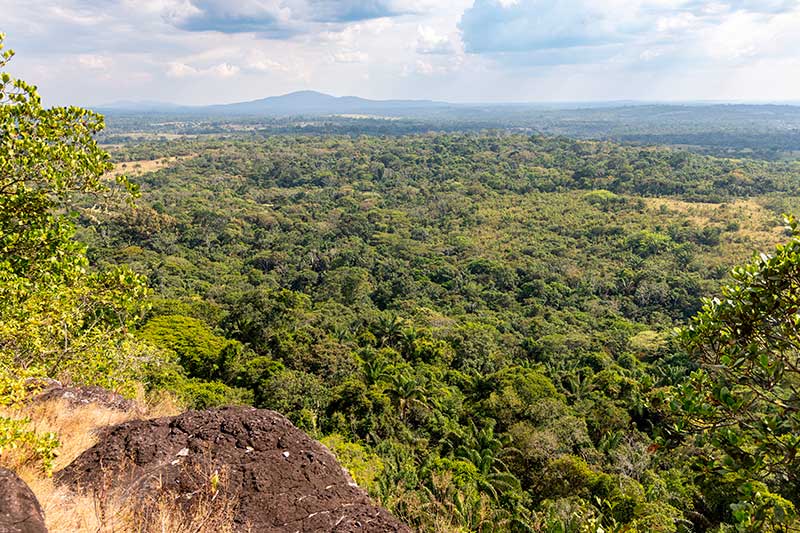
[(493, 331)]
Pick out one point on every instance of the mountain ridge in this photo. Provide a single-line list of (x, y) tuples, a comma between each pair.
[(310, 102), (297, 102)]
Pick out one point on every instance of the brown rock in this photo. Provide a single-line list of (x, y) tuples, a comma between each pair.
[(280, 478), (20, 511), (79, 396)]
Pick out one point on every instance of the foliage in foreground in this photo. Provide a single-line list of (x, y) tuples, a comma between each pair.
[(742, 408), (55, 314), (59, 318)]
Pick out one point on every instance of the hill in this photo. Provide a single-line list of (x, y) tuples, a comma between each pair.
[(732, 130), (311, 102), (292, 104)]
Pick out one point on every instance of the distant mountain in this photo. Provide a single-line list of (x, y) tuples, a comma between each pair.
[(296, 103), (315, 103)]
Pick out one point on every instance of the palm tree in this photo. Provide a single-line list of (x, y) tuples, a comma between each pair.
[(484, 449), (387, 329), (577, 385), (406, 339), (376, 369), (404, 391)]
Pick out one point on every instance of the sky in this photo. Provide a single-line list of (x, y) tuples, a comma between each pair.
[(92, 52)]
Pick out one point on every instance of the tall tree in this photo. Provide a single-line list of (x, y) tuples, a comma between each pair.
[(743, 404), (55, 314)]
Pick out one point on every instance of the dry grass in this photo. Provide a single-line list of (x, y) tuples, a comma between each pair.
[(76, 427), (113, 512), (64, 511), (67, 512), (756, 223), (209, 510), (759, 229), (137, 168)]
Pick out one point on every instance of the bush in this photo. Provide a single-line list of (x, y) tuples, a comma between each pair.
[(200, 351), (363, 465), (21, 445)]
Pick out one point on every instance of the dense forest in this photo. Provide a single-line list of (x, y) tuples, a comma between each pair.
[(492, 331), (481, 323)]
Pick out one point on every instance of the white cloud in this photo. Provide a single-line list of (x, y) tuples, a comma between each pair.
[(677, 22), (83, 17), (224, 70), (354, 34), (744, 35), (265, 65), (553, 32), (94, 62), (182, 70), (424, 67), (351, 57), (429, 41), (175, 12), (96, 51), (433, 66), (650, 54)]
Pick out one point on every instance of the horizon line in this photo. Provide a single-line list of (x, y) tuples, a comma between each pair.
[(621, 101)]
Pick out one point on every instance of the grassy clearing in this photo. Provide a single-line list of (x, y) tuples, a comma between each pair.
[(749, 226), (137, 168)]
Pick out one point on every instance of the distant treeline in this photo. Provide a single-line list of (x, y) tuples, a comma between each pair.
[(763, 132)]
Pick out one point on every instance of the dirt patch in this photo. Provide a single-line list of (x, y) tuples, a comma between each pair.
[(20, 511), (281, 479)]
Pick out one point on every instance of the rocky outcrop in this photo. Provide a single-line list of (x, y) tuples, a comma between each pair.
[(280, 479), (84, 395), (20, 511)]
